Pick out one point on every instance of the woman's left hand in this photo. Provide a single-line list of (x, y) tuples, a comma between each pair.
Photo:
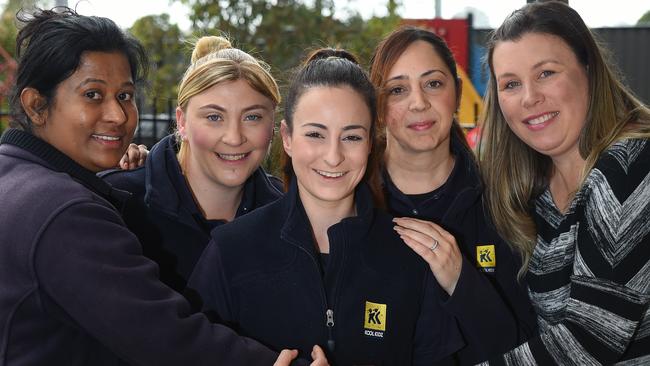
[(436, 246), (134, 157)]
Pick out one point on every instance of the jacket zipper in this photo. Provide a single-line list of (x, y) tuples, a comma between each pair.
[(330, 325), (329, 313)]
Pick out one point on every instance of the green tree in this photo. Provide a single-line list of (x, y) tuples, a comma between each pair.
[(168, 58), (645, 19)]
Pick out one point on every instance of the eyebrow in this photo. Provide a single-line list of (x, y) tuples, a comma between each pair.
[(535, 66), (93, 80), (345, 128), (426, 73), (220, 108)]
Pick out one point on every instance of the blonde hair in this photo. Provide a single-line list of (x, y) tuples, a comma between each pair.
[(215, 61), (514, 173)]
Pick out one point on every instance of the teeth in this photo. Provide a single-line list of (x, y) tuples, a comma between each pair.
[(232, 157), (106, 138), (329, 174), (543, 118)]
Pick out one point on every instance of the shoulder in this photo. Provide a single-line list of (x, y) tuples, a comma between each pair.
[(250, 229), (268, 188), (129, 180), (621, 169), (35, 196)]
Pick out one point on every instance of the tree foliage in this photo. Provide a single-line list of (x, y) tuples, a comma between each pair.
[(645, 19), (167, 58)]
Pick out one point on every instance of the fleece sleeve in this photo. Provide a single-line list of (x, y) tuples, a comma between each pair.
[(92, 268)]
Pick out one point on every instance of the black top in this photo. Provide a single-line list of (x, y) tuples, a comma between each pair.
[(165, 217), (493, 309), (76, 289), (375, 304)]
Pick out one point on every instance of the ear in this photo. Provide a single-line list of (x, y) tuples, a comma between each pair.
[(34, 104), (180, 122), (286, 137), (459, 93)]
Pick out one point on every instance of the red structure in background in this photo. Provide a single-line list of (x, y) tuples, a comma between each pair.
[(454, 31)]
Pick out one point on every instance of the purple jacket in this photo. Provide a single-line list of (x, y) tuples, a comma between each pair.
[(75, 288)]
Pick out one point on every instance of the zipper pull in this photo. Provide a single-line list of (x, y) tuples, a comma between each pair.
[(330, 325)]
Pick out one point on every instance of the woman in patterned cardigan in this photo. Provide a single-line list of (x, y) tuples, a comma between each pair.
[(566, 162)]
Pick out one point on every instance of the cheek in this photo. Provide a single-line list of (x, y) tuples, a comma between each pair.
[(394, 115), (200, 138), (359, 156), (507, 108), (260, 136)]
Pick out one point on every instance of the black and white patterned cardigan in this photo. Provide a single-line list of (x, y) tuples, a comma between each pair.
[(589, 275)]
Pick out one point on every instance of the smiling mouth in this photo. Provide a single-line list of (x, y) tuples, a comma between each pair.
[(107, 138), (541, 119), (232, 157), (330, 174)]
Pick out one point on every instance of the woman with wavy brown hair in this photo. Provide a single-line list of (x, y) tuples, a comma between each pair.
[(566, 163), (431, 183)]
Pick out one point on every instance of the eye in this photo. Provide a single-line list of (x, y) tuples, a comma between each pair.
[(126, 96), (353, 138), (92, 94), (215, 117), (511, 84), (434, 84), (546, 73), (314, 135), (253, 117), (397, 90)]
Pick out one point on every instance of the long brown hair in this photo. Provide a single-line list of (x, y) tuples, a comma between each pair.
[(514, 173)]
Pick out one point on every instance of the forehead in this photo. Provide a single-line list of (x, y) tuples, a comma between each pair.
[(231, 93), (106, 66), (420, 56), (332, 105), (530, 49)]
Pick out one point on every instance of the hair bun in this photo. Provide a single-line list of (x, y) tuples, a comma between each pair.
[(326, 53), (209, 44)]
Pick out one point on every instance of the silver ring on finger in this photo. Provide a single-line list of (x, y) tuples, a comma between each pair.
[(434, 246)]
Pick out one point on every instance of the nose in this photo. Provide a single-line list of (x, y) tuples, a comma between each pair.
[(418, 101), (233, 135), (115, 112), (334, 154), (532, 96)]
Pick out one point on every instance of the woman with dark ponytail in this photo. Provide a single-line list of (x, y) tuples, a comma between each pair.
[(322, 265)]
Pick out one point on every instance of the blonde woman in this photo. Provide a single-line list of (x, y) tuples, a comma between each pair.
[(567, 165), (208, 172)]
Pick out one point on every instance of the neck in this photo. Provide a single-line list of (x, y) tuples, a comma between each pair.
[(566, 177), (417, 172), (322, 215), (216, 202)]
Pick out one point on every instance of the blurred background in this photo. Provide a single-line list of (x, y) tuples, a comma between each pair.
[(282, 33)]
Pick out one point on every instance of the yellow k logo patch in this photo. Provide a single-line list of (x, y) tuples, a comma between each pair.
[(375, 316), (486, 256)]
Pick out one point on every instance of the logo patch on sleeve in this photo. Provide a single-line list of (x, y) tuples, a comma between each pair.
[(374, 322), (486, 258)]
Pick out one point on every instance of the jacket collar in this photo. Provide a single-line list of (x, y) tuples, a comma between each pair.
[(463, 183), (60, 162), (297, 228)]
